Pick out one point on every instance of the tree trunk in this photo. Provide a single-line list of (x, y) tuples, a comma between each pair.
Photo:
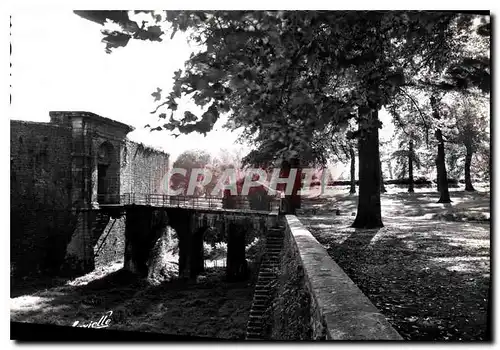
[(442, 176), (389, 167), (353, 170), (468, 160), (382, 186), (410, 168), (323, 180), (369, 210), (437, 176)]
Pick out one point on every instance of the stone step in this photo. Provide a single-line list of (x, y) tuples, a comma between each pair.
[(253, 336), (263, 284), (261, 301), (267, 273), (274, 247), (261, 296), (255, 323), (271, 257), (274, 238), (267, 267), (275, 253), (266, 279), (261, 293), (257, 312), (259, 307), (255, 330), (271, 273), (274, 242)]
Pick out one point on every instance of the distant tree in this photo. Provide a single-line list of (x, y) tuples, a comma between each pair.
[(471, 129), (411, 129), (189, 160), (219, 163), (467, 67), (408, 158)]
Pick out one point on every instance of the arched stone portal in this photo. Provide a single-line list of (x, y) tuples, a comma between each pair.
[(108, 174)]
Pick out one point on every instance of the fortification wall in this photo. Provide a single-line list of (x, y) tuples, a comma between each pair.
[(142, 169), (42, 219)]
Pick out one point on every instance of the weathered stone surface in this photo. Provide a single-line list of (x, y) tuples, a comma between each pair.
[(54, 177), (42, 219), (338, 309)]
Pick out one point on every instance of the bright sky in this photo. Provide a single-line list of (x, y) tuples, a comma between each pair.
[(59, 63)]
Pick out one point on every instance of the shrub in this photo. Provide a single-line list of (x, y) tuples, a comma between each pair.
[(254, 248), (207, 250), (220, 250)]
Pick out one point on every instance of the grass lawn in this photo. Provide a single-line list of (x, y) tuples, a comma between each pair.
[(428, 273)]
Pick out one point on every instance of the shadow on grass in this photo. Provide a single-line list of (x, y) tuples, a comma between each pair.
[(466, 206), (213, 308), (29, 285), (431, 285)]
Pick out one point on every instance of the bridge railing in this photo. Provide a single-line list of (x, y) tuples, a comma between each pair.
[(182, 201)]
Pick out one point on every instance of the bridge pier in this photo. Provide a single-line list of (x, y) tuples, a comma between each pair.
[(79, 257), (141, 233), (236, 269), (143, 227), (183, 222)]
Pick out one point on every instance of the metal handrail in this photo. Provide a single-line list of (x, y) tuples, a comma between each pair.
[(184, 201)]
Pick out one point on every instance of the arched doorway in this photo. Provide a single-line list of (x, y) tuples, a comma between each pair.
[(105, 164)]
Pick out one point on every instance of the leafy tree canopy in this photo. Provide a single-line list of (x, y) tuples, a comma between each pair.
[(287, 78)]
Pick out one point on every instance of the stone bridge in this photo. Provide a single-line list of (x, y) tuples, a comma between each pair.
[(79, 185)]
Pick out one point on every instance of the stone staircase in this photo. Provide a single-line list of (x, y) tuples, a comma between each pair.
[(266, 283)]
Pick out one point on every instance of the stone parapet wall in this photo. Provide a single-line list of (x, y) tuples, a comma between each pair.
[(335, 307)]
